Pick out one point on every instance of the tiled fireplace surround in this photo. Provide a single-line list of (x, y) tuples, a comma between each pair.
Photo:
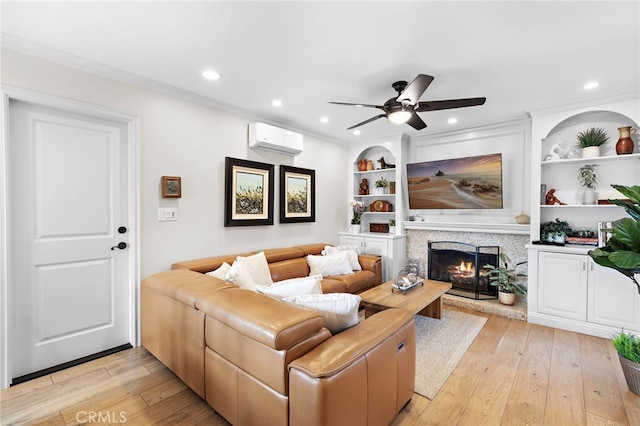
[(511, 244)]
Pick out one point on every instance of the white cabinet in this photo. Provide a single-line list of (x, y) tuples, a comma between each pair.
[(563, 285), (612, 299), (575, 293), (392, 249)]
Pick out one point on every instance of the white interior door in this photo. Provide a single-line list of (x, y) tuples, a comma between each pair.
[(68, 197)]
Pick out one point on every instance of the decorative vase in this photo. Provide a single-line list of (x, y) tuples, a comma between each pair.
[(625, 143), (589, 196), (392, 229), (354, 228), (591, 152), (523, 219), (506, 298), (631, 372), (559, 238), (370, 165), (378, 191)]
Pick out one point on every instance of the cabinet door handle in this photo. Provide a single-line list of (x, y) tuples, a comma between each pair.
[(584, 265)]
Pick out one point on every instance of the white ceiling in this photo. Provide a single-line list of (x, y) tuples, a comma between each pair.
[(522, 56)]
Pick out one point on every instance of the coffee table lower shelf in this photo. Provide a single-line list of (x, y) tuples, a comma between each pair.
[(423, 300)]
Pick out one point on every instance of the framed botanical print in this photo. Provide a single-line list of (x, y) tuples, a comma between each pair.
[(248, 193), (171, 187), (297, 195)]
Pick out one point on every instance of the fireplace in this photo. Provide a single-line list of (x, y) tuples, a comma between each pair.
[(462, 265)]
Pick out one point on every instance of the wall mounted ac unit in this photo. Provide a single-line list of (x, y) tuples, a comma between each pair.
[(264, 136)]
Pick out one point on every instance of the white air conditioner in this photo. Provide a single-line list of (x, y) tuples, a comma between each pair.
[(264, 136)]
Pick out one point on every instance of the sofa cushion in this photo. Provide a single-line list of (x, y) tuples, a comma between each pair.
[(221, 272), (352, 253), (249, 271), (333, 264), (293, 287), (340, 310)]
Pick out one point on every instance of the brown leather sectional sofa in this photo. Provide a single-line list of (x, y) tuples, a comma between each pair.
[(259, 361)]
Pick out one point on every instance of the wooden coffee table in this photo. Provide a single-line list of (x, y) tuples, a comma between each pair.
[(423, 299)]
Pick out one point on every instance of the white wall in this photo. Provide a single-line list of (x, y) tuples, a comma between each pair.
[(181, 138)]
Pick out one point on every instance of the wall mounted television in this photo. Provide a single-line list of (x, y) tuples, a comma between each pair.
[(458, 183)]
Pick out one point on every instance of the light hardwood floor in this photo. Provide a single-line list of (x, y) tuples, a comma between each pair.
[(514, 373)]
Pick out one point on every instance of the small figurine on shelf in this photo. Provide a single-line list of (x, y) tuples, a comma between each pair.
[(385, 165), (364, 187), (362, 165), (551, 198)]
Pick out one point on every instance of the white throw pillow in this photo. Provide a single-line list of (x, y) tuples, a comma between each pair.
[(293, 287), (340, 310), (352, 252), (331, 264), (249, 271), (221, 272)]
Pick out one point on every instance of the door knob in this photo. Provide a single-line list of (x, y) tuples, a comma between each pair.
[(122, 230), (121, 245)]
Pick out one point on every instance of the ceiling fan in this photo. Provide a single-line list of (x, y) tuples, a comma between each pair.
[(404, 108)]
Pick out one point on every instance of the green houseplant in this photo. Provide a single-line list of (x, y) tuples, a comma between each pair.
[(622, 253), (381, 185), (622, 250), (588, 180), (508, 280), (555, 230), (590, 141), (392, 226)]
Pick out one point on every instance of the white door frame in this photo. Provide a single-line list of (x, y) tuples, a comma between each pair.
[(132, 123)]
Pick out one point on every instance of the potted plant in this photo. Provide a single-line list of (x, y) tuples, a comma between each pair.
[(508, 280), (587, 179), (392, 226), (622, 253), (590, 141), (358, 207), (555, 231), (381, 185), (628, 348)]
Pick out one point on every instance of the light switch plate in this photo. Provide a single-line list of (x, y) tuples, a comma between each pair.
[(167, 214)]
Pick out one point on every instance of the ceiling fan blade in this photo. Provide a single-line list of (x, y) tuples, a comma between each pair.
[(416, 122), (415, 89), (367, 121), (449, 104), (358, 105)]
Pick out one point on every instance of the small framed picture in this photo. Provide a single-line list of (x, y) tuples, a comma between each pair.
[(171, 187)]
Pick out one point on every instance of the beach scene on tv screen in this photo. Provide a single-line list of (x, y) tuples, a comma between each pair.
[(458, 183)]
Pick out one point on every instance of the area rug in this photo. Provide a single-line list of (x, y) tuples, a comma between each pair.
[(440, 344)]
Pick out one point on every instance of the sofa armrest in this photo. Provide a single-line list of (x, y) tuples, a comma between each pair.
[(371, 365), (373, 263)]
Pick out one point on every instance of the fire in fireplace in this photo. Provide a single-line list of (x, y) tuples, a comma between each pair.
[(462, 265)]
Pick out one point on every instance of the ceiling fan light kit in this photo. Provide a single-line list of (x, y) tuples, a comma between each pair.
[(399, 117), (404, 107)]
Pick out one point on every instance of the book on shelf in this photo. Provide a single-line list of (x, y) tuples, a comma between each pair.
[(582, 241)]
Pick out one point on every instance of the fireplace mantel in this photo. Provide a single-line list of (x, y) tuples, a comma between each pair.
[(491, 228)]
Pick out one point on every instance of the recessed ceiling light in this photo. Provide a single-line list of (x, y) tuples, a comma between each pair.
[(211, 75), (591, 85), (356, 132), (324, 119), (276, 103), (452, 120)]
